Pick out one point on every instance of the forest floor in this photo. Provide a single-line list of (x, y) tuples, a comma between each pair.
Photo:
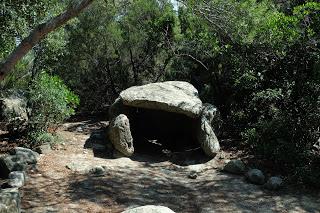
[(62, 182)]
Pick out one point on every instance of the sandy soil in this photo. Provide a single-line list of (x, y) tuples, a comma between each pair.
[(144, 179)]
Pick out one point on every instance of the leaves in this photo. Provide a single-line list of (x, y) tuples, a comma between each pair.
[(51, 102)]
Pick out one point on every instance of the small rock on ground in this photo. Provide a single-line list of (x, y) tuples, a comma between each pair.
[(235, 167), (274, 183), (11, 163), (10, 200), (44, 149), (193, 175), (17, 179), (149, 209), (29, 156), (255, 176), (98, 170)]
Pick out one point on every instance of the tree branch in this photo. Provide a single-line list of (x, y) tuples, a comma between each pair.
[(39, 33)]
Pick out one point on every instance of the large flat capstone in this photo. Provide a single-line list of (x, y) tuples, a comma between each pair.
[(171, 96)]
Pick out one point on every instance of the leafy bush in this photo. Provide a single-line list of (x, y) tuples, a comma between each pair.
[(51, 102), (39, 138), (282, 99), (262, 72)]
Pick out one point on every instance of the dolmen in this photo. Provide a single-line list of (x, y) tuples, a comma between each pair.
[(170, 112)]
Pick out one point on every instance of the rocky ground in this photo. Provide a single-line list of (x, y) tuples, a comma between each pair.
[(80, 177)]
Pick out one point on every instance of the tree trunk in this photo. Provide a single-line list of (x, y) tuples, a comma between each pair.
[(135, 74), (113, 87), (39, 33)]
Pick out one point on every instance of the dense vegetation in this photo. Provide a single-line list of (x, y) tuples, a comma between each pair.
[(257, 61)]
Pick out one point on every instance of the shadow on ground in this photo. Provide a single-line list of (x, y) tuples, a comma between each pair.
[(126, 188), (147, 152), (146, 179)]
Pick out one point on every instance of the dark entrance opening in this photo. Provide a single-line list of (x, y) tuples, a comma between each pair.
[(155, 131)]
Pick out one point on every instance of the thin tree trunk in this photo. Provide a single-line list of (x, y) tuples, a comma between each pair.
[(135, 74), (113, 87), (163, 70), (34, 73), (39, 33)]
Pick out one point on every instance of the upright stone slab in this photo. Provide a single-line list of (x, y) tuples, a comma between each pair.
[(120, 135), (206, 136), (117, 108), (207, 139)]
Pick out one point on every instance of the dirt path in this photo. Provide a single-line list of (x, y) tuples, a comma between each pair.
[(143, 180)]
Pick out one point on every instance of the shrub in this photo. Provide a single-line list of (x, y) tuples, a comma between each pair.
[(39, 138), (51, 102), (265, 79)]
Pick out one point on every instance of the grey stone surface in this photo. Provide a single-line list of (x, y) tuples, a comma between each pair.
[(255, 176), (235, 167), (17, 179), (207, 138), (116, 154), (120, 135), (78, 167), (193, 175), (212, 114), (116, 109), (11, 163), (209, 112), (28, 155), (10, 201), (98, 171), (149, 209), (44, 149), (13, 112), (274, 183), (171, 96)]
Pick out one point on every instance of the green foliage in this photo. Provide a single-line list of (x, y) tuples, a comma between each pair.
[(17, 19), (262, 73), (113, 46), (51, 102), (39, 138)]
